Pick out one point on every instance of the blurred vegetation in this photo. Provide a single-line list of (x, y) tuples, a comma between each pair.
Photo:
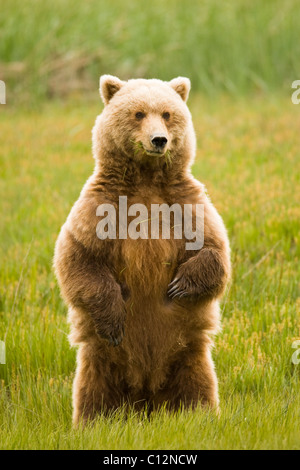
[(54, 48)]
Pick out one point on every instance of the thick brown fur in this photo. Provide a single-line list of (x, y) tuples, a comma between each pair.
[(139, 345)]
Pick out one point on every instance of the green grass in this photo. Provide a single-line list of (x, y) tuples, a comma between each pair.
[(248, 157), (56, 47)]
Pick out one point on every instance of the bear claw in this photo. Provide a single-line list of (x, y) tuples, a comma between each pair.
[(176, 290), (114, 339)]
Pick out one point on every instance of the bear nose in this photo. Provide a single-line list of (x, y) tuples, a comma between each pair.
[(159, 141)]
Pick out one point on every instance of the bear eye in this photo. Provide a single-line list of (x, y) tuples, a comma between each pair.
[(140, 115), (166, 116)]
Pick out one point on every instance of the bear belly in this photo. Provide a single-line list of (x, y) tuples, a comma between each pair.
[(147, 266), (156, 329)]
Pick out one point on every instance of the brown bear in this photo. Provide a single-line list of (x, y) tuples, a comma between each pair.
[(142, 310)]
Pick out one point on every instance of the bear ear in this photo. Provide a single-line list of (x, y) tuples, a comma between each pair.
[(182, 86), (109, 85)]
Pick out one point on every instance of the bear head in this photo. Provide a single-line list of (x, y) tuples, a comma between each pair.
[(144, 120)]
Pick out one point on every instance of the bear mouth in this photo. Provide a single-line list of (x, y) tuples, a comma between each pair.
[(154, 153)]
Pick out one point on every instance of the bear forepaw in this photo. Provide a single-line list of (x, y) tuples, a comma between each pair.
[(114, 335)]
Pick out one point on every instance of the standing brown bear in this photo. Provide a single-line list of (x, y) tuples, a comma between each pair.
[(142, 309)]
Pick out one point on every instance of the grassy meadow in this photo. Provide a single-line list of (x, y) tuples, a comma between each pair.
[(241, 58)]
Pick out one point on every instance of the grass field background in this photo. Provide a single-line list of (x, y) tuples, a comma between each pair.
[(242, 58)]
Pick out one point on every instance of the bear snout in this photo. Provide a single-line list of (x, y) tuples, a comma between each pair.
[(158, 141)]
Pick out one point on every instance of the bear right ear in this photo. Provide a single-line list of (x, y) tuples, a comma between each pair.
[(182, 86), (109, 85)]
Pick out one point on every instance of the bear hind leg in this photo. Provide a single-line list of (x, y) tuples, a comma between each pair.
[(190, 384), (93, 390)]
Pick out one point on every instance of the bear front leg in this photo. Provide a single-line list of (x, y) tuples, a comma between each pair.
[(205, 275), (202, 276), (109, 312), (88, 283)]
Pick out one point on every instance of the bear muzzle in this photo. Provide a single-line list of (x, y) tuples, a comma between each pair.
[(158, 143)]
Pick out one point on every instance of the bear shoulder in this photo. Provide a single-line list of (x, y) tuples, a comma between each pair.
[(83, 219)]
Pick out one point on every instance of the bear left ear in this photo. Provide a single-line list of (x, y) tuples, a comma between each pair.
[(182, 86), (109, 85)]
